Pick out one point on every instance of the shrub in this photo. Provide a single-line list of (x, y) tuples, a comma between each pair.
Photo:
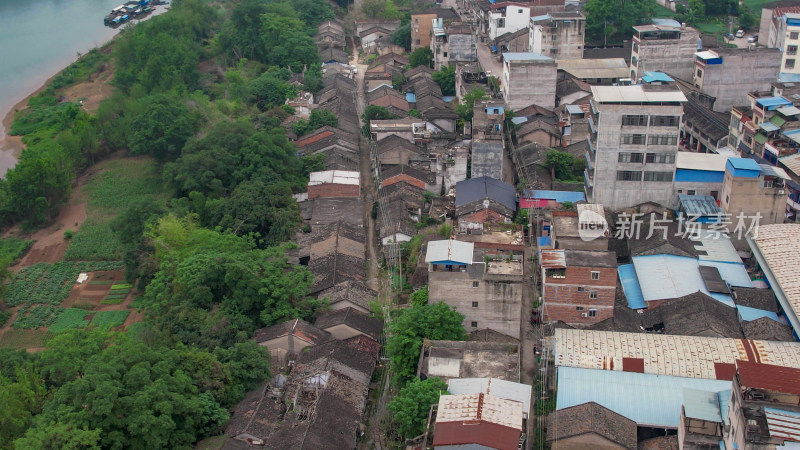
[(68, 234)]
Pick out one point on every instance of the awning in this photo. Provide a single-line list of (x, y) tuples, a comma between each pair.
[(778, 120), (769, 126), (789, 111), (760, 138)]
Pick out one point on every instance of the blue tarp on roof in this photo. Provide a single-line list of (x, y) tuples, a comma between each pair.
[(558, 196), (748, 314), (701, 176), (630, 285), (519, 120), (666, 22), (650, 77), (771, 103), (494, 48), (411, 98), (543, 241), (448, 98)]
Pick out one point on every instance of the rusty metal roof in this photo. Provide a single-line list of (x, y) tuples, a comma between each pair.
[(553, 259), (769, 377)]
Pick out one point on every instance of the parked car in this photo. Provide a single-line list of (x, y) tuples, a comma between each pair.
[(753, 39), (729, 36), (740, 33)]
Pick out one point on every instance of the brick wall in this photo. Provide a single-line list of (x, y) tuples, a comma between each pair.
[(333, 191), (483, 216), (564, 301)]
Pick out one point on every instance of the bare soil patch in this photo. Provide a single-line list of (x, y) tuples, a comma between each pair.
[(96, 89)]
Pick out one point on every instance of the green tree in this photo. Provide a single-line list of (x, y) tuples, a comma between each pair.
[(380, 9), (22, 397), (271, 89), (420, 296), (446, 79), (411, 405), (317, 119), (402, 36), (374, 112), (747, 20), (162, 128), (431, 321), (610, 21), (422, 56), (464, 108), (561, 163)]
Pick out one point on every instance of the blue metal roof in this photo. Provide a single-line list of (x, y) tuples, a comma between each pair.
[(699, 205), (734, 274), (526, 56), (785, 77), (772, 102), (446, 98), (743, 167), (543, 241), (749, 314), (650, 77), (666, 22), (698, 176), (558, 196), (542, 17), (703, 405), (769, 126), (647, 399), (630, 286), (411, 97), (574, 109)]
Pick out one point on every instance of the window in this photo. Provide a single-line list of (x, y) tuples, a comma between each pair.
[(660, 158), (445, 54), (632, 139), (635, 48), (474, 304), (789, 64), (519, 11), (553, 51), (592, 294), (474, 324), (791, 50), (658, 176), (417, 41), (592, 313), (595, 275), (581, 288), (664, 121), (794, 35), (727, 199), (501, 23), (557, 273), (579, 308), (629, 175), (554, 37), (691, 192), (630, 157), (715, 194), (699, 73), (662, 139), (475, 284), (634, 120)]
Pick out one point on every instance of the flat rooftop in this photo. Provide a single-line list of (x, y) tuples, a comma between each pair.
[(595, 68), (470, 359), (635, 94)]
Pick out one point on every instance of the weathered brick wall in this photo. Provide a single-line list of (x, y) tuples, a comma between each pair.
[(562, 299), (333, 191)]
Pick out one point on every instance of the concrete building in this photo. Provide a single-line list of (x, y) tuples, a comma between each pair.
[(780, 28), (750, 189), (454, 43), (422, 24), (605, 71), (578, 286), (699, 174), (508, 17), (663, 48), (633, 145), (728, 74), (528, 79), (559, 35), (485, 287), (497, 360), (701, 422)]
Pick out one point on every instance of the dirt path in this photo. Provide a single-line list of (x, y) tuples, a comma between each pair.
[(93, 91)]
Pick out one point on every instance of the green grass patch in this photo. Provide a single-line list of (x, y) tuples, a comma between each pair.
[(44, 118), (124, 183), (112, 301), (110, 319), (94, 241), (121, 295), (120, 286), (662, 12), (4, 316), (712, 27), (70, 318), (83, 305), (104, 282), (50, 283), (11, 249), (19, 338), (118, 291), (37, 316), (756, 5)]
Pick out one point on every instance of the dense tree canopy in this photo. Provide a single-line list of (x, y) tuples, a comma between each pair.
[(610, 21), (422, 56), (410, 407), (446, 79), (430, 321)]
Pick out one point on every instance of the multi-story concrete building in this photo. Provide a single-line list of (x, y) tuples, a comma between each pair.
[(780, 28), (422, 24), (508, 17), (456, 42), (668, 47), (529, 79), (483, 285), (633, 145), (728, 74), (578, 286), (558, 34), (751, 189)]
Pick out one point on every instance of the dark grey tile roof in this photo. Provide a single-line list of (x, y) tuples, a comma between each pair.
[(766, 329), (592, 418), (296, 327), (398, 169), (474, 189), (356, 292), (755, 298), (487, 159), (356, 320)]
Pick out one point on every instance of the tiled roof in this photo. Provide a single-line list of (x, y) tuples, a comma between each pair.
[(355, 292), (353, 319), (768, 377), (591, 418), (777, 249), (388, 101), (297, 327), (766, 329)]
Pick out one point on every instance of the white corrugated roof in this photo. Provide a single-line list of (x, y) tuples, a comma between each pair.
[(635, 94), (680, 356), (469, 407), (716, 248), (334, 177), (701, 161), (450, 250), (493, 386), (779, 247), (595, 68), (792, 162)]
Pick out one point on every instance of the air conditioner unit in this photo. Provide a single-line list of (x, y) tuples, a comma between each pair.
[(584, 314), (781, 192)]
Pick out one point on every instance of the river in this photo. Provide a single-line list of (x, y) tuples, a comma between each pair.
[(38, 38)]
